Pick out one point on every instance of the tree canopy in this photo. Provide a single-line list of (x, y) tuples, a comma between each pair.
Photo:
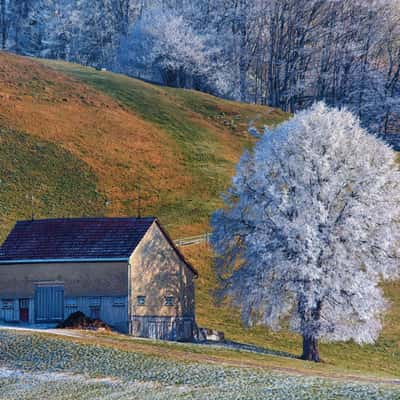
[(310, 229), (283, 53)]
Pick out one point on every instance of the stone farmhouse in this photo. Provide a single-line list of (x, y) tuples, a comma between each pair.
[(125, 271)]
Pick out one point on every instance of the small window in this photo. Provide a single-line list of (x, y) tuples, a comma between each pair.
[(71, 302), (119, 302), (141, 300), (94, 301), (7, 304), (169, 300)]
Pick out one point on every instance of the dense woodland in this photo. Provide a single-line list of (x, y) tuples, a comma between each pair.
[(284, 53)]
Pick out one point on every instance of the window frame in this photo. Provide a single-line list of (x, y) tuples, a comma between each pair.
[(7, 304), (169, 301), (119, 301), (141, 300), (71, 302)]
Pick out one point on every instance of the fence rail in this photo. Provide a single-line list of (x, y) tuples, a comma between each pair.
[(192, 240)]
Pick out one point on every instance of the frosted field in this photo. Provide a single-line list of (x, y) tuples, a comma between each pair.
[(33, 367)]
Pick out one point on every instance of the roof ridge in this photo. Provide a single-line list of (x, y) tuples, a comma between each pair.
[(88, 219)]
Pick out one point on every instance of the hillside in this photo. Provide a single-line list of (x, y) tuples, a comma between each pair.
[(81, 141), (178, 146), (87, 366)]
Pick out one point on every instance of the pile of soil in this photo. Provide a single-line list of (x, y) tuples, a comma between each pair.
[(78, 320)]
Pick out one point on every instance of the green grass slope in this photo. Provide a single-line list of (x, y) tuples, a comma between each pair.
[(209, 132), (75, 137), (26, 159)]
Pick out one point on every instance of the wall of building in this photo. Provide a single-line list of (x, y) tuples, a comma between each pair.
[(157, 272), (9, 310), (165, 328), (92, 288), (79, 279), (111, 309)]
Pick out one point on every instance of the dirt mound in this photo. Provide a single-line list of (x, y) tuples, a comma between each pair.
[(78, 320)]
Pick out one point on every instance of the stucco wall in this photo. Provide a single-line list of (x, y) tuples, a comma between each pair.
[(79, 279), (156, 272), (112, 310)]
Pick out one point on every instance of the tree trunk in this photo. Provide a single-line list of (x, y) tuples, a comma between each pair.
[(310, 349)]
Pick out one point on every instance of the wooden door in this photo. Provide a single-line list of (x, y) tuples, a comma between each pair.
[(160, 330), (152, 329), (49, 303), (24, 310)]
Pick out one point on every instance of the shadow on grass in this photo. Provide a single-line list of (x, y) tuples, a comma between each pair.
[(249, 348)]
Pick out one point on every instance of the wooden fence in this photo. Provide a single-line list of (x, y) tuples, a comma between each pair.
[(192, 240)]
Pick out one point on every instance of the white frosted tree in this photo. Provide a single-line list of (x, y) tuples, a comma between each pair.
[(165, 41), (284, 53), (310, 229)]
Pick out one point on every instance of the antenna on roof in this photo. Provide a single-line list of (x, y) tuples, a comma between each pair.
[(32, 211), (139, 201), (32, 206)]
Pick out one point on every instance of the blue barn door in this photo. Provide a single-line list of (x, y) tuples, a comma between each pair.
[(49, 303)]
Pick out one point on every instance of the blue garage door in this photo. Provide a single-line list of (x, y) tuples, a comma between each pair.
[(49, 303)]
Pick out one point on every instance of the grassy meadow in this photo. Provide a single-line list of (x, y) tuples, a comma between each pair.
[(82, 141), (36, 366)]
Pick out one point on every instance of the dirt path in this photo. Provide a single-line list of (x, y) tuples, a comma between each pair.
[(59, 332)]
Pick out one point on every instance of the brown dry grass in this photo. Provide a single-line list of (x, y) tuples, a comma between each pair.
[(179, 146), (118, 145)]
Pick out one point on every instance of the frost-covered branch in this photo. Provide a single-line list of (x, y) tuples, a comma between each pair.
[(316, 208)]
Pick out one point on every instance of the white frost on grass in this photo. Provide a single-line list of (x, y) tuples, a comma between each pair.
[(42, 329), (7, 373), (35, 367), (53, 376)]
